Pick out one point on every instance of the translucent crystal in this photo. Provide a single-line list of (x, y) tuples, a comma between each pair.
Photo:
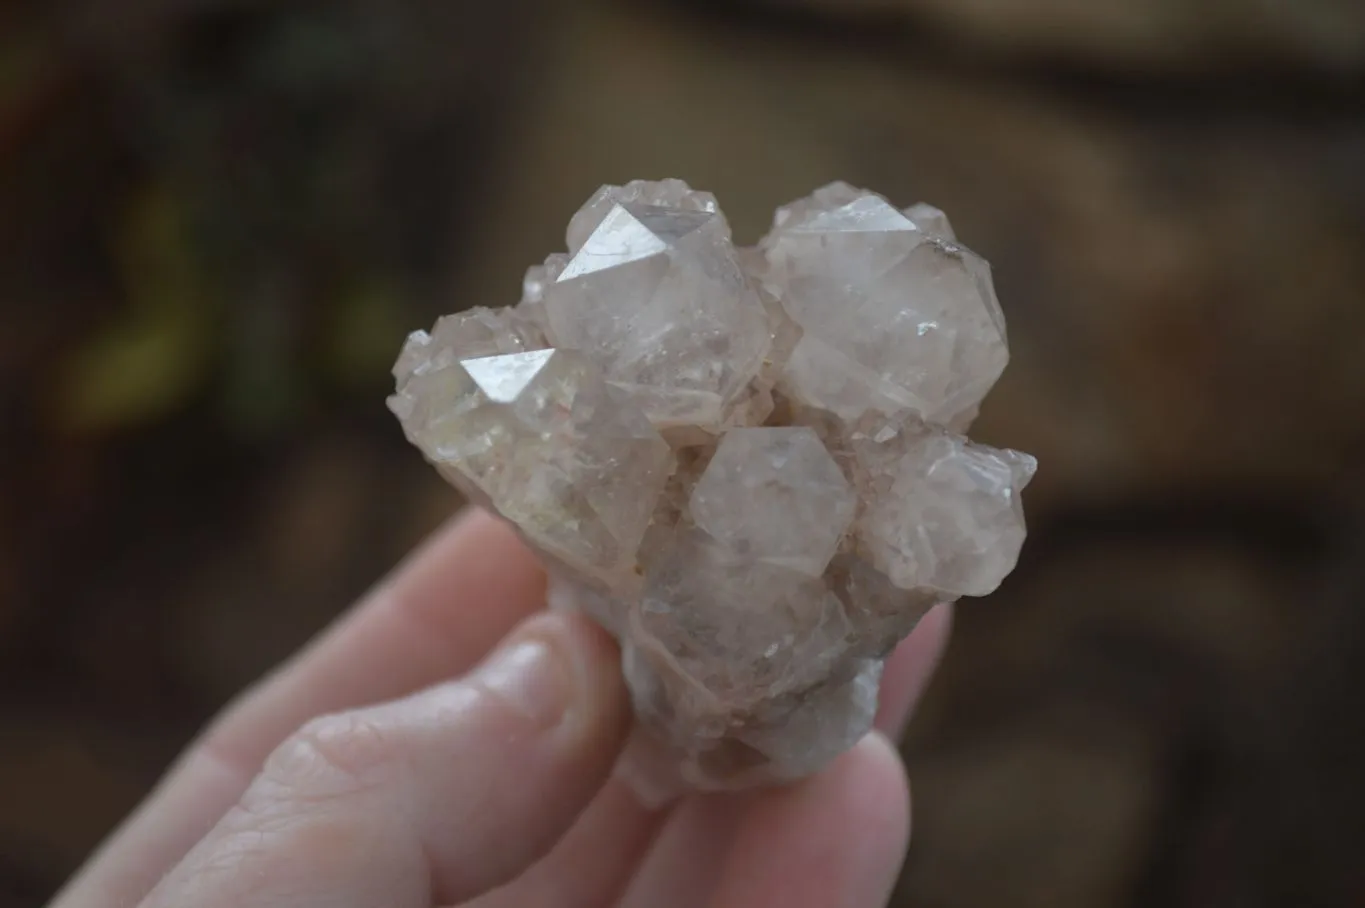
[(827, 198), (747, 464), (665, 194), (931, 220), (726, 637), (797, 504), (533, 284), (894, 317), (942, 513), (656, 297), (883, 612), (550, 445), (756, 403), (741, 629), (804, 732), (472, 333)]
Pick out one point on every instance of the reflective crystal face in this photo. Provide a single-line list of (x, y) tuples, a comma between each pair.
[(894, 317), (746, 464), (665, 194), (551, 446), (656, 297), (475, 332)]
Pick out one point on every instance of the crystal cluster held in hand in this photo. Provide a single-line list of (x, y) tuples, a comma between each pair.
[(747, 463)]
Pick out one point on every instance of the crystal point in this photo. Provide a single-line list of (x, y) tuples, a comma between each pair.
[(931, 220), (894, 317), (943, 513), (748, 464), (656, 297), (672, 194), (552, 446)]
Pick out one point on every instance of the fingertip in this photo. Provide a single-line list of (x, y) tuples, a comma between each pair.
[(880, 774), (880, 803), (910, 668), (835, 839), (598, 702)]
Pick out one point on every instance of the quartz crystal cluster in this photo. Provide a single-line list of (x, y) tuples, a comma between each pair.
[(748, 464)]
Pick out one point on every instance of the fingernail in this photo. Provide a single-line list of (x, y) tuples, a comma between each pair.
[(532, 674)]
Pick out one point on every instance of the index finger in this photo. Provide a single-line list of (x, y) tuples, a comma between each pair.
[(434, 617)]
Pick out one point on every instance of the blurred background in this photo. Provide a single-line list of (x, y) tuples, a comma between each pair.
[(218, 218)]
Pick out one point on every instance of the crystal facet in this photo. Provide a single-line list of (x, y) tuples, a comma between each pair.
[(942, 513), (747, 464), (931, 220), (551, 446), (894, 317), (797, 504), (656, 297), (672, 194)]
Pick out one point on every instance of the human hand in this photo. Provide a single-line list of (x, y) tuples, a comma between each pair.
[(493, 789)]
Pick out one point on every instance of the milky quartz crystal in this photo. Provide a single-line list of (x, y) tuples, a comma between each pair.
[(748, 464)]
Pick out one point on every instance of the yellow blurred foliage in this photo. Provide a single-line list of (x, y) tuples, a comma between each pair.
[(152, 361)]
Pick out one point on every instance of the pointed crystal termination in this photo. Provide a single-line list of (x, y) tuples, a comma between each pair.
[(465, 335), (894, 317), (656, 297), (671, 194), (550, 445), (746, 464), (931, 220), (943, 514)]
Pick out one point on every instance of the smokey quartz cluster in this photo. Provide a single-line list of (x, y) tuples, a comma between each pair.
[(748, 464)]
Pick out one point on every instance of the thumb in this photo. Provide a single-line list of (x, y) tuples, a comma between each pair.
[(432, 799)]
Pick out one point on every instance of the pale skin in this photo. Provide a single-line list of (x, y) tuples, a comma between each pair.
[(449, 742)]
